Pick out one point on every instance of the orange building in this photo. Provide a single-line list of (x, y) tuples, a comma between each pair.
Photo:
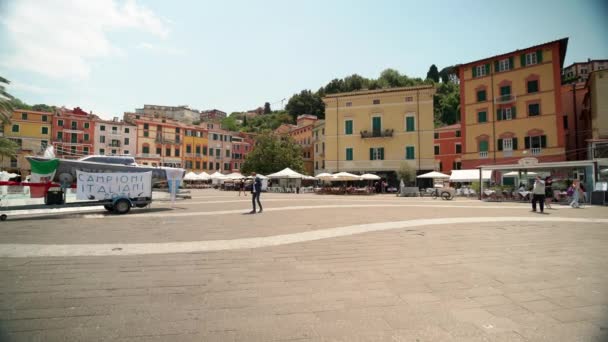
[(511, 106), (302, 135), (448, 148)]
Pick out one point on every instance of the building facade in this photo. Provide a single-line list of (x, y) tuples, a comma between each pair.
[(318, 133), (73, 133), (195, 148), (595, 110), (114, 137), (511, 106), (580, 71), (32, 131), (212, 115), (577, 127), (379, 130), (179, 113), (159, 141), (220, 151), (242, 145), (302, 135), (448, 148)]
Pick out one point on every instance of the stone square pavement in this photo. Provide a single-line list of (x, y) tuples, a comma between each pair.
[(310, 268)]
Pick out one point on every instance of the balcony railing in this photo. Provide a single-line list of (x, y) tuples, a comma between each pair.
[(387, 133), (483, 154), (507, 153), (68, 130), (114, 144), (535, 151), (505, 99)]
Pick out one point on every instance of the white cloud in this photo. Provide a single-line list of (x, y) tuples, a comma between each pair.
[(58, 38), (161, 49)]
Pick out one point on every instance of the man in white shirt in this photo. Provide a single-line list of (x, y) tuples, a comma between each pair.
[(538, 194)]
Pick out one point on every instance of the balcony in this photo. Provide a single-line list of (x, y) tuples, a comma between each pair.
[(114, 144), (502, 99), (507, 153), (147, 155), (483, 154), (387, 133), (535, 151)]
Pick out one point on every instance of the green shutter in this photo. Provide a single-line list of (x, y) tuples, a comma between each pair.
[(483, 146), (527, 142), (543, 141), (514, 144), (539, 56), (500, 144), (487, 68), (513, 112), (409, 123), (381, 153), (371, 153), (496, 66), (474, 69), (498, 114), (523, 60), (511, 65)]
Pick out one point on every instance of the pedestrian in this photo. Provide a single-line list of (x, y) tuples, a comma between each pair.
[(575, 192), (548, 191), (538, 194), (242, 188), (256, 189)]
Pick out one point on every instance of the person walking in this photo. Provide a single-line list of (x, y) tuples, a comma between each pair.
[(548, 192), (242, 188), (538, 194), (575, 189), (256, 189)]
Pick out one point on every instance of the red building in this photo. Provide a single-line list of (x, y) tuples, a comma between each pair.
[(448, 148), (242, 145), (73, 133)]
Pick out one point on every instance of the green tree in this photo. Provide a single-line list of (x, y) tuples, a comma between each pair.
[(407, 174), (273, 153), (446, 104), (8, 148), (433, 73), (230, 123), (448, 74), (6, 102), (267, 109), (306, 102), (43, 108)]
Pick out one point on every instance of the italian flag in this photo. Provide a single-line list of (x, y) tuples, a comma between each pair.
[(43, 171)]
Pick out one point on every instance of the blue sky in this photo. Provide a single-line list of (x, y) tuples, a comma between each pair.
[(111, 56)]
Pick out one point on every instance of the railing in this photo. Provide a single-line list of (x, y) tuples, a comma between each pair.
[(377, 134), (483, 154), (505, 99), (147, 155), (67, 130), (507, 153), (535, 151), (114, 144)]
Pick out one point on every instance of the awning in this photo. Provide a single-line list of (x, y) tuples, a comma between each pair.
[(323, 176), (516, 174), (434, 174), (345, 176), (369, 176), (191, 176), (469, 175), (286, 173)]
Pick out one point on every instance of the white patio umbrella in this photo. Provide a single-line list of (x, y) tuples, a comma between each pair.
[(191, 176), (369, 176), (434, 174), (345, 176), (324, 176), (235, 175), (218, 176), (286, 173), (203, 176)]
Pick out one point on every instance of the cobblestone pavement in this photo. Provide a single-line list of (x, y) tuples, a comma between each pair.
[(310, 268)]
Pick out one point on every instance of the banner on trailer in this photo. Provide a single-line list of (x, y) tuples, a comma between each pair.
[(104, 186)]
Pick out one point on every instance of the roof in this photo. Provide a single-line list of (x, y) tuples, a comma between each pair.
[(587, 62), (381, 91), (563, 44), (450, 127)]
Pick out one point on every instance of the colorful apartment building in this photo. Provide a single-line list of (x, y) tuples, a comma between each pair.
[(212, 115), (448, 148), (242, 145), (115, 137), (580, 71), (159, 140), (220, 150), (302, 135), (576, 125), (379, 130), (511, 106), (318, 133), (73, 133), (32, 131), (195, 143), (595, 110)]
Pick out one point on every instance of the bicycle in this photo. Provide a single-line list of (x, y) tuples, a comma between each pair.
[(445, 195)]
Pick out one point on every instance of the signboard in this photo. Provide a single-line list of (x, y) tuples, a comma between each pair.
[(104, 186), (528, 161)]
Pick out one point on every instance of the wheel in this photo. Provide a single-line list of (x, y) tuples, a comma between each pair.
[(446, 195), (3, 217), (122, 206), (108, 207), (434, 195)]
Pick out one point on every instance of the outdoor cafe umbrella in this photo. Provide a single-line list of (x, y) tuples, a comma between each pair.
[(345, 176), (286, 173), (203, 176), (217, 176), (324, 176), (369, 176), (191, 176), (235, 176), (433, 175)]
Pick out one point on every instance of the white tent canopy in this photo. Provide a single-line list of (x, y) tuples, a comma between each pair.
[(469, 175), (217, 175), (345, 176), (434, 174), (369, 176), (286, 173), (203, 176), (190, 176), (235, 176), (259, 176), (323, 176)]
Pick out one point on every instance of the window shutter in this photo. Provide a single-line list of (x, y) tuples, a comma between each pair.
[(511, 64), (371, 153), (543, 141), (487, 68), (496, 66), (498, 115), (474, 72), (500, 144), (539, 56), (527, 141), (514, 144), (513, 112), (381, 153), (523, 60)]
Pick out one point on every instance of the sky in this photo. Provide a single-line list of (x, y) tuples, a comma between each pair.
[(112, 56)]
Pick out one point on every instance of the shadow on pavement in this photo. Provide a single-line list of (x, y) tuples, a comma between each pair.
[(63, 216)]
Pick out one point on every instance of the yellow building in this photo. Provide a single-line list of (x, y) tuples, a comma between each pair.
[(159, 140), (378, 130), (318, 133), (31, 130), (195, 143), (595, 113), (511, 106)]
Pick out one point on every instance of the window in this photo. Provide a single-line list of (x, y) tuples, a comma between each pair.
[(210, 166), (410, 124), (507, 144), (177, 152), (410, 153), (565, 121), (73, 150), (536, 143), (113, 152), (376, 102), (177, 130), (218, 153), (167, 152), (159, 150), (458, 133), (126, 141), (127, 130), (440, 166), (532, 58), (482, 116), (102, 139), (204, 150), (198, 164), (481, 96), (114, 130), (376, 125), (583, 71), (59, 136), (15, 129), (146, 149), (532, 86), (436, 149), (316, 148), (348, 127), (103, 128), (505, 113), (456, 165), (215, 136), (533, 109), (198, 149), (349, 153), (227, 153), (481, 70), (316, 165), (126, 152), (409, 99), (45, 130), (226, 166), (458, 148), (505, 91), (23, 116), (74, 124), (376, 153), (103, 151), (145, 126), (436, 135), (205, 165), (86, 125), (349, 104), (146, 134), (503, 65), (44, 118), (217, 166), (60, 123), (86, 137), (188, 148), (483, 146), (74, 138)]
